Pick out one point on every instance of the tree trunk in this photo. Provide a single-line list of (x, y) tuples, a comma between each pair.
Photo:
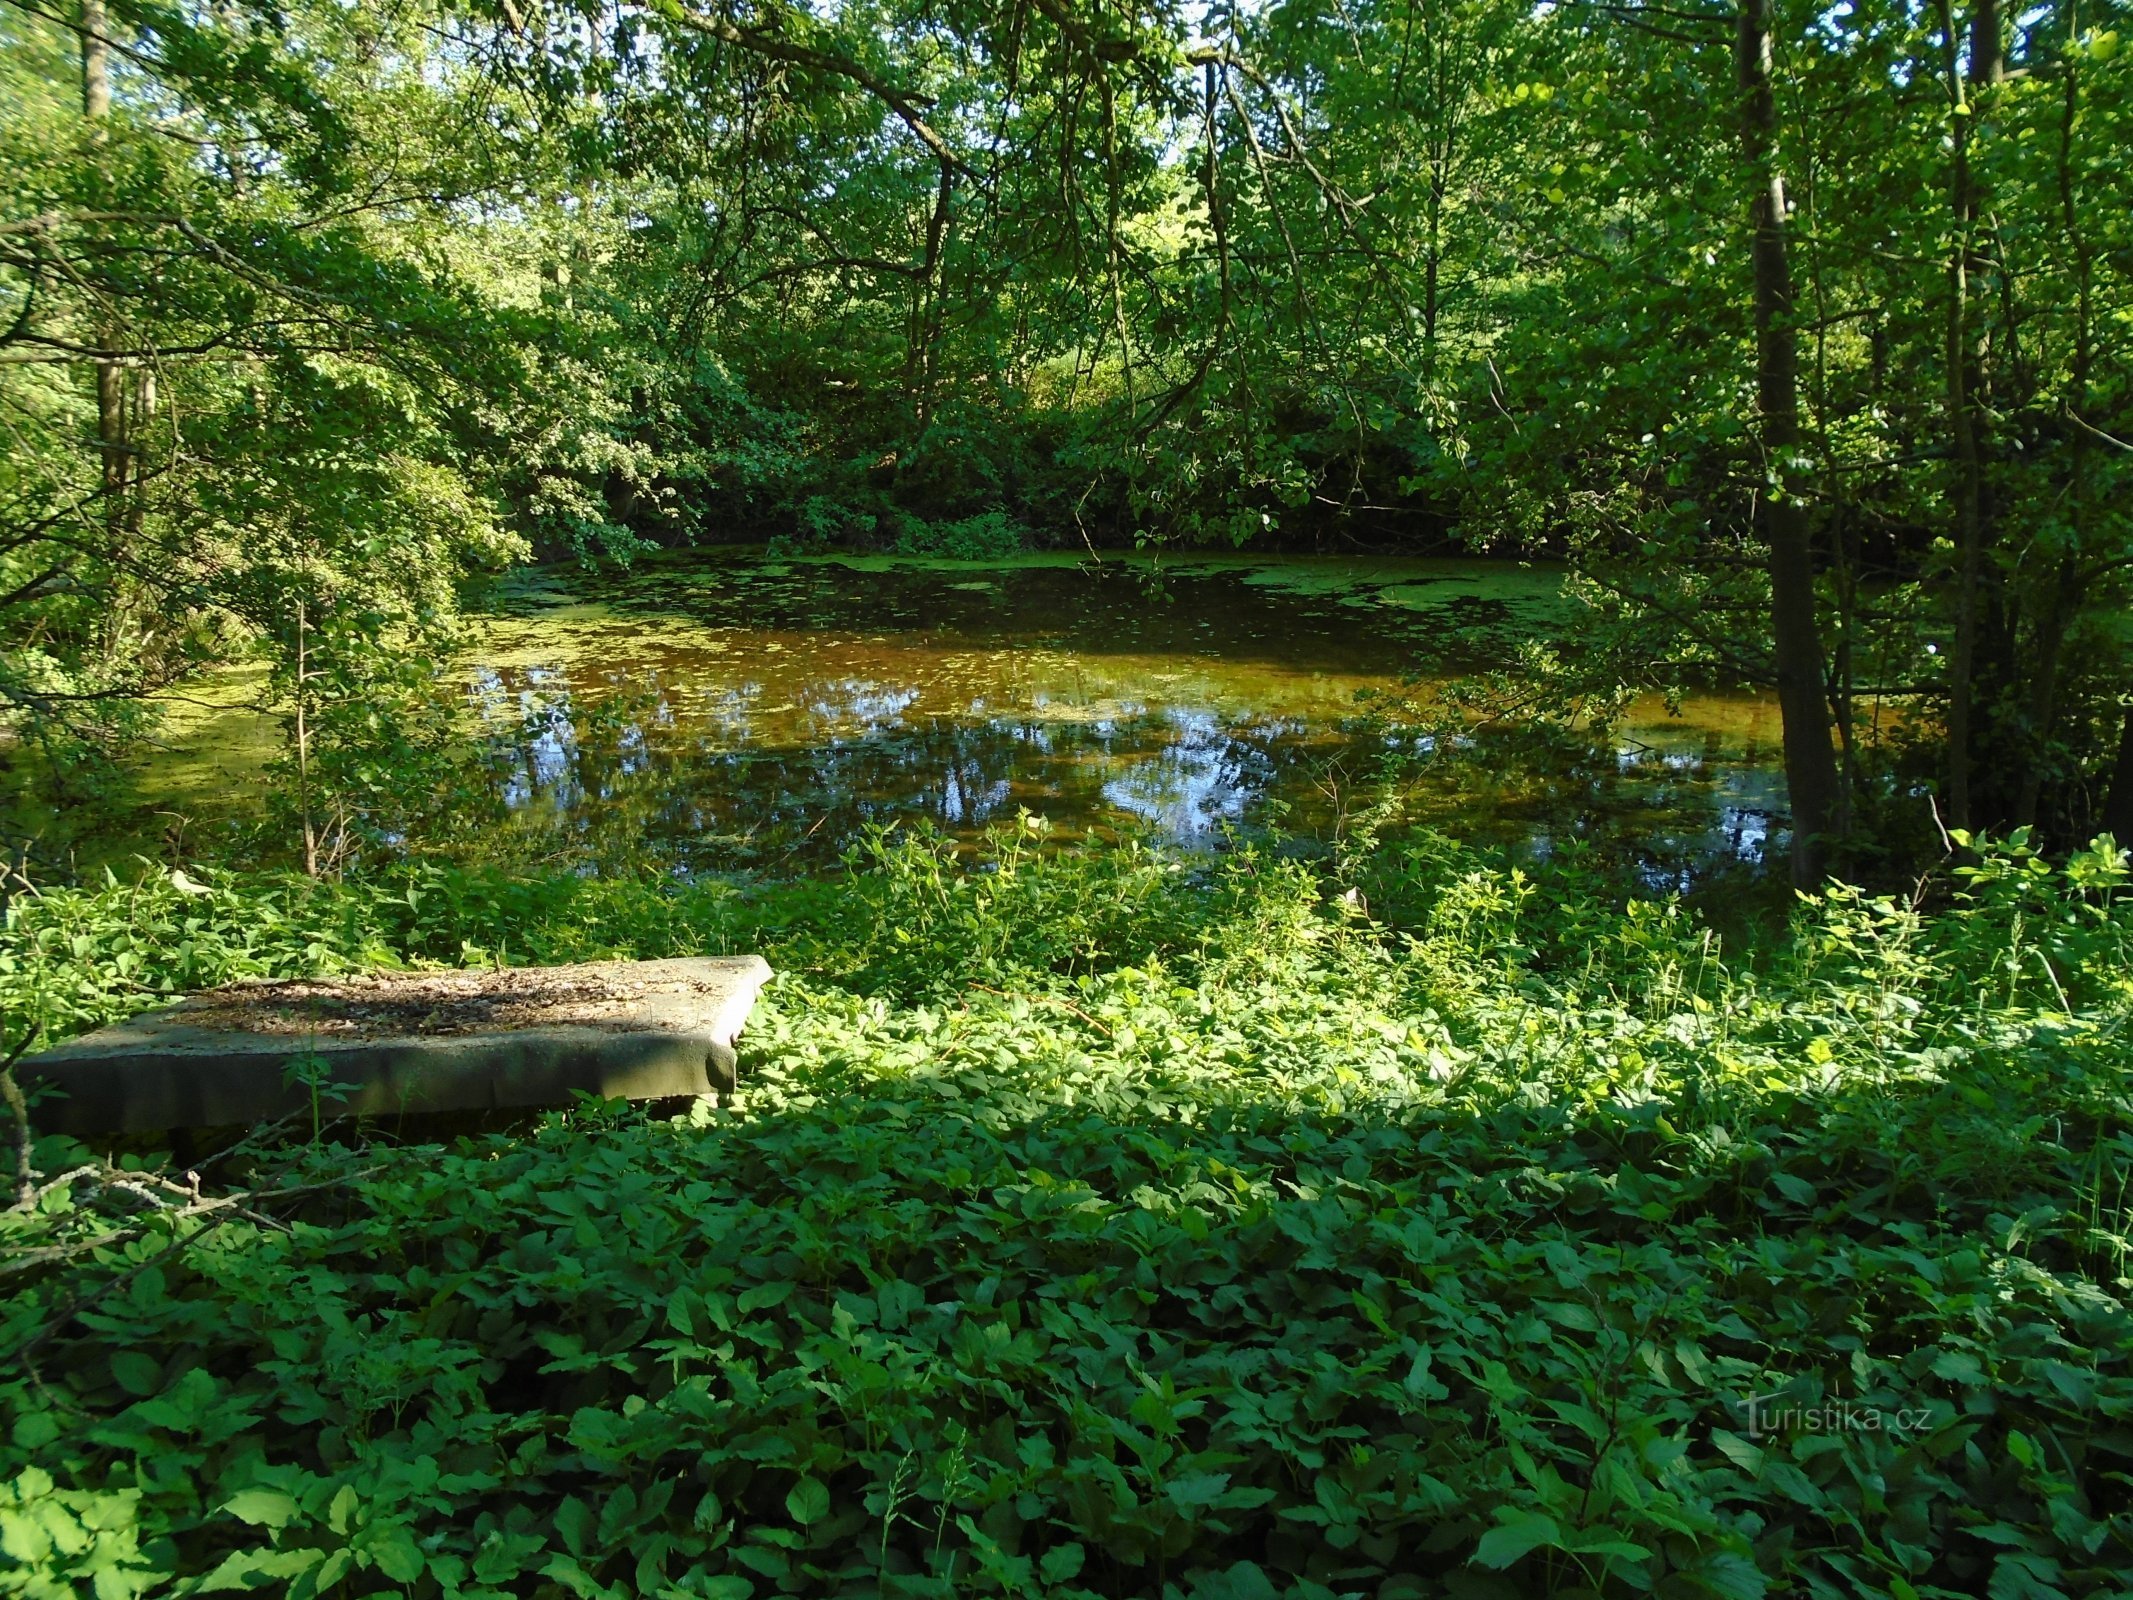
[(95, 61), (2047, 649), (2118, 805), (926, 335), (1966, 378), (1810, 763), (110, 376), (1430, 265), (2067, 595)]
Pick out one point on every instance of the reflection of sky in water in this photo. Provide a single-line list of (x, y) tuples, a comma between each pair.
[(856, 709), (546, 751), (755, 746), (967, 798), (749, 765), (1733, 812), (1198, 779), (726, 708)]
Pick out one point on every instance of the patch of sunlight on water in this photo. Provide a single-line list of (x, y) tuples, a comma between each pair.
[(775, 708), (716, 709)]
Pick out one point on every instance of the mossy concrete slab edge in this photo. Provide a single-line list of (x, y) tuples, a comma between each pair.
[(634, 1030)]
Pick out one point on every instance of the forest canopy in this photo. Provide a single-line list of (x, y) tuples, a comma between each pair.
[(1800, 330)]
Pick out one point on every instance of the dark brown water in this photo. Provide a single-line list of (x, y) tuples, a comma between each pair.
[(721, 710)]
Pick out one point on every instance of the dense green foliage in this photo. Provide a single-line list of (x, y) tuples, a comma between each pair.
[(309, 312), (1095, 1224)]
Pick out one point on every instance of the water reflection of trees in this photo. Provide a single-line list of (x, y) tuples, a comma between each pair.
[(713, 775), (1676, 805), (705, 787)]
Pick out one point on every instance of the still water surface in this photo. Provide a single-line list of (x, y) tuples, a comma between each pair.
[(716, 710), (721, 709)]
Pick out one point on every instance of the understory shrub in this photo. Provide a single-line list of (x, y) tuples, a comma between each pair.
[(987, 536), (1095, 1223)]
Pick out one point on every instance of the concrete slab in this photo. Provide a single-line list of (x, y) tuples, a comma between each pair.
[(405, 1042)]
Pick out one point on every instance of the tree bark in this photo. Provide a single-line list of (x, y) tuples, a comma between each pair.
[(926, 334), (110, 377), (1810, 762), (95, 61), (2081, 497), (2118, 805), (1967, 414), (1966, 378)]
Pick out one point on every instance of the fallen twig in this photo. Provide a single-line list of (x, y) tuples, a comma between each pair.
[(1053, 999)]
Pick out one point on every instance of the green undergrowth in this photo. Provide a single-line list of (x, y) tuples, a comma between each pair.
[(1093, 1223)]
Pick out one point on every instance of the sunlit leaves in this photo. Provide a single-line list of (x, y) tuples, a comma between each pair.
[(1159, 1247)]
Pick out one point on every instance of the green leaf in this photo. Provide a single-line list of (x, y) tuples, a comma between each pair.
[(1600, 1542), (136, 1373), (337, 1565), (1730, 1576), (1521, 1533), (343, 1511), (1247, 1580), (242, 1568), (1191, 1489), (1794, 1188), (23, 1538), (1746, 1456), (680, 1315), (1061, 1563), (808, 1501), (262, 1508), (398, 1556), (765, 1295)]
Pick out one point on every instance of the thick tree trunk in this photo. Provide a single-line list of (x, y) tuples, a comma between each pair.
[(1988, 50), (1810, 762), (95, 61)]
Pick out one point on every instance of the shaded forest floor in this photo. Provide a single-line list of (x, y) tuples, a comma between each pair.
[(1093, 1222)]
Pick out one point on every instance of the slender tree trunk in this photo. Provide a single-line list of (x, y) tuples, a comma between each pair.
[(2118, 805), (1211, 182), (1843, 701), (2047, 652), (1810, 762), (1969, 510), (1843, 547), (1966, 378), (95, 61), (925, 350), (1430, 265), (2066, 595), (110, 376), (303, 747)]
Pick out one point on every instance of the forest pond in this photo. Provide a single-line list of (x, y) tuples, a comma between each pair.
[(719, 709)]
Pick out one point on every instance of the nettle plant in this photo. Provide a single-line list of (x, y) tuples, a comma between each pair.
[(1129, 1228)]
